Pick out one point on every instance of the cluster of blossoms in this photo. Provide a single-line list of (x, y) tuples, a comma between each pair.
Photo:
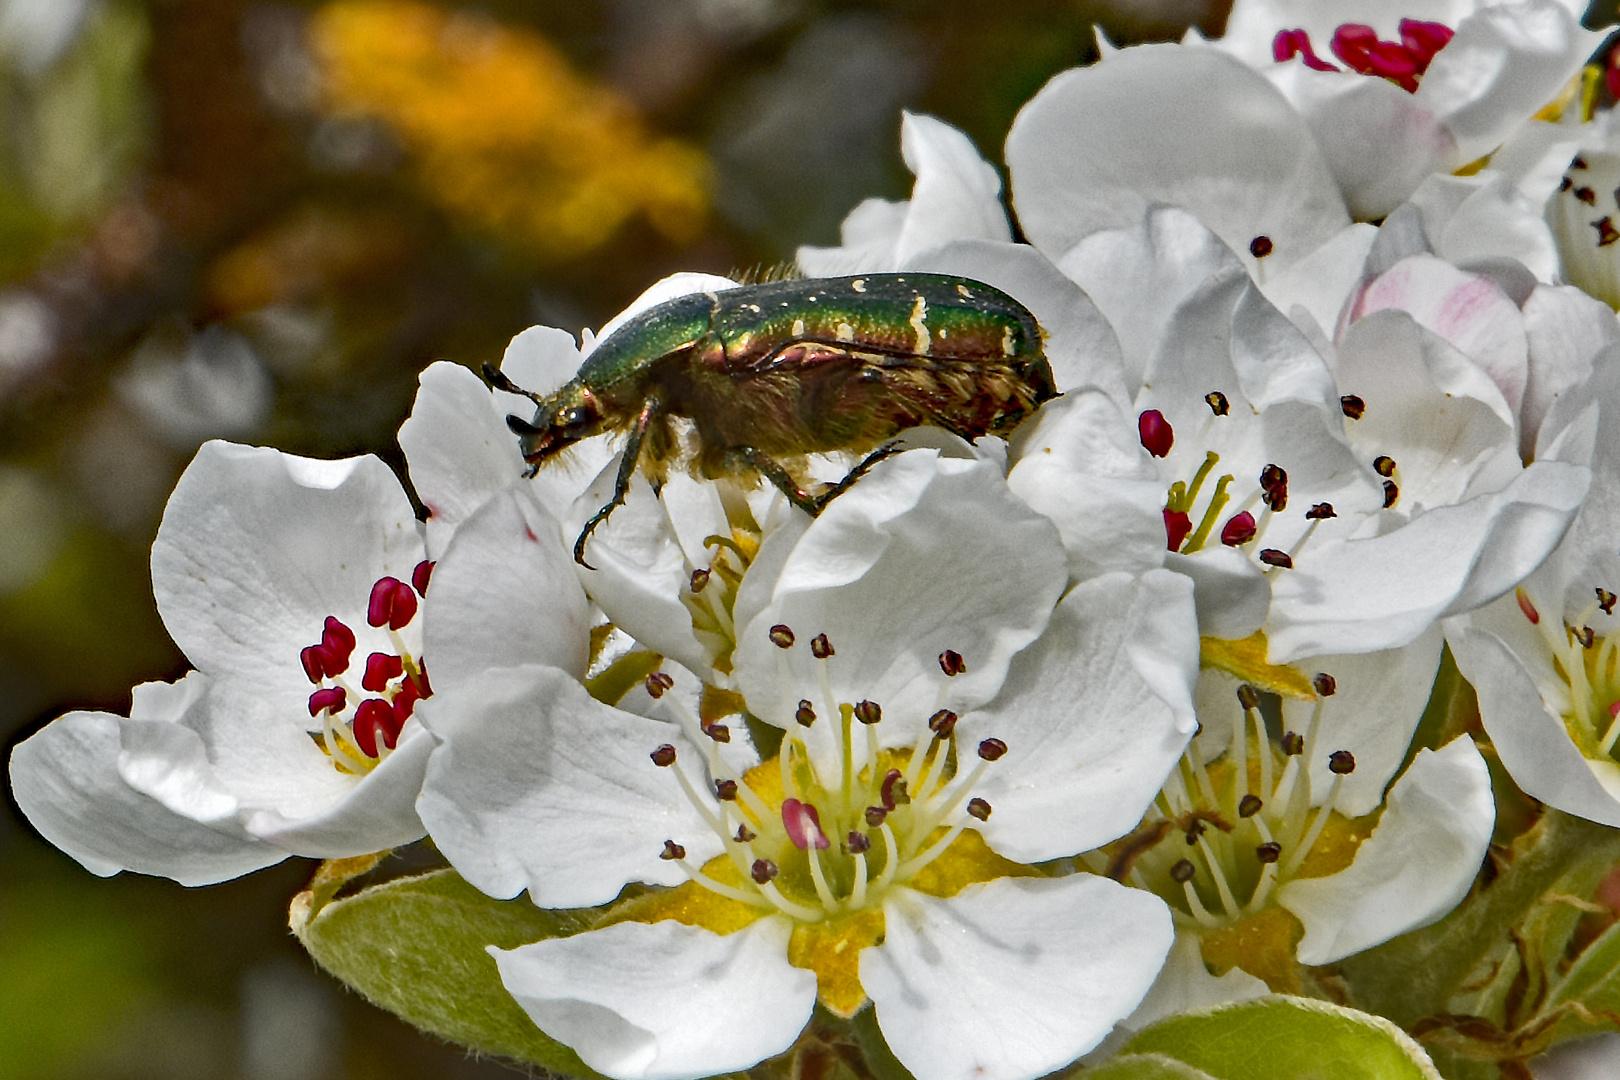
[(1022, 746)]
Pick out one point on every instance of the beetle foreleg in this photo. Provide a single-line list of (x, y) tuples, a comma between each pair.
[(651, 409)]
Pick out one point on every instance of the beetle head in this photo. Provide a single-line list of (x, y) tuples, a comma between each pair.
[(564, 418)]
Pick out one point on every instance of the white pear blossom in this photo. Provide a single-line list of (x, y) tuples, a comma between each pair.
[(919, 613)]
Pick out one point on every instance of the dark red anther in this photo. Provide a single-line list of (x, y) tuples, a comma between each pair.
[(336, 636), (1280, 559), (1155, 432), (978, 808), (1249, 805), (330, 658), (313, 657), (803, 825), (1320, 512), (868, 712), (1611, 77), (1586, 195), (1217, 403), (1384, 465), (1248, 697), (658, 683), (821, 647), (1424, 39), (373, 718), (1293, 743), (857, 843), (1238, 530), (893, 792), (420, 575), (700, 580), (781, 636), (718, 732), (664, 756), (1392, 492), (1341, 762), (1606, 232), (421, 679), (951, 663), (1527, 607), (1195, 830), (1565, 183), (1353, 406), (1291, 43), (725, 790), (1358, 46), (1182, 872), (1606, 600), (672, 851), (381, 669), (875, 816), (746, 835), (392, 604), (1177, 525), (1325, 684), (1583, 635), (1259, 247), (405, 700), (763, 871), (1269, 852), (942, 724), (805, 714), (992, 749), (328, 698), (1274, 486)]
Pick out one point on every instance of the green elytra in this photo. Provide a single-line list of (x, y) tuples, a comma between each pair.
[(769, 373)]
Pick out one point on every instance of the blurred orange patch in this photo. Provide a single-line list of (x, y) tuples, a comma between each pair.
[(503, 134)]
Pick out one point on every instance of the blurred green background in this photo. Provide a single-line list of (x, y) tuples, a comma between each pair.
[(260, 221)]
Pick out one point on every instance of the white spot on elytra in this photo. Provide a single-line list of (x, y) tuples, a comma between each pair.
[(798, 328), (962, 291), (1007, 341), (859, 284), (919, 323), (846, 332)]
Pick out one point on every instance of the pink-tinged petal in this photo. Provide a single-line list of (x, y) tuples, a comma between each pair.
[(1381, 592), (1013, 978), (1505, 63), (257, 548), (1531, 740), (1468, 310), (1418, 864), (1095, 715), (136, 794), (536, 785), (664, 1001), (1164, 124), (505, 594), (1379, 142)]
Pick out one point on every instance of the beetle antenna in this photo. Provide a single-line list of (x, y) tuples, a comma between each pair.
[(519, 426), (499, 381)]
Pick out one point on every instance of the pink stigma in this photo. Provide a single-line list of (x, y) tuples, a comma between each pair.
[(803, 825)]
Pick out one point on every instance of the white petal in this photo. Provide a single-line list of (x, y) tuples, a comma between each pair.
[(1566, 330), (1232, 594), (927, 553), (1378, 140), (375, 814), (1082, 465), (1011, 979), (1417, 865), (505, 594), (536, 785), (458, 447), (957, 194), (1505, 62), (257, 547), (1380, 699), (1322, 282), (867, 241), (177, 820), (1596, 1057), (664, 1001), (1377, 593), (1165, 124), (1185, 984), (1095, 714), (1470, 219), (1531, 740)]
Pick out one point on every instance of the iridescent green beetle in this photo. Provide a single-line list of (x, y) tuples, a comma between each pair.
[(769, 373)]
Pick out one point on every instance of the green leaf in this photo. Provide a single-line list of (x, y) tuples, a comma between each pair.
[(416, 948), (1278, 1038), (1145, 1067)]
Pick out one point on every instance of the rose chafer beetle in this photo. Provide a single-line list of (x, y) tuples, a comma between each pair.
[(769, 373)]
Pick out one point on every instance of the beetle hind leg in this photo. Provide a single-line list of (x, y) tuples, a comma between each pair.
[(813, 505), (864, 466)]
